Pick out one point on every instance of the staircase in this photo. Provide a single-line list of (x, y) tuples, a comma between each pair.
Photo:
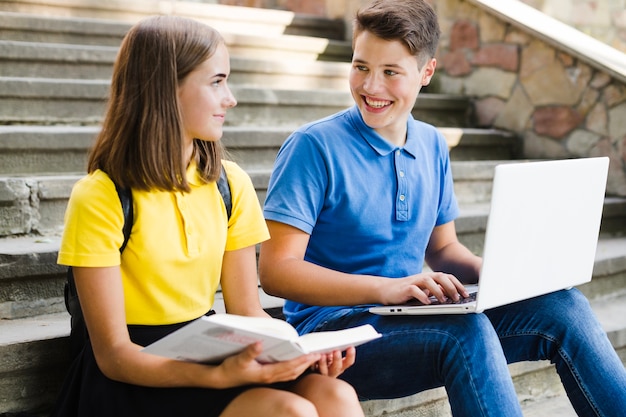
[(54, 77)]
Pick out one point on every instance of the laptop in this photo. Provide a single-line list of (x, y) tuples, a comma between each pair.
[(542, 233)]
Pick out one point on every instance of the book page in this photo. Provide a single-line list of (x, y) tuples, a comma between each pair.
[(324, 342), (263, 325)]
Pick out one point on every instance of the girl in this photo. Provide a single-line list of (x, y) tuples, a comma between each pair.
[(160, 138)]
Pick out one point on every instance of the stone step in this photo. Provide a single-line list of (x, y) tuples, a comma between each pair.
[(254, 61), (553, 406), (34, 358), (26, 27), (242, 20), (70, 101), (37, 149), (31, 281), (51, 60), (35, 204)]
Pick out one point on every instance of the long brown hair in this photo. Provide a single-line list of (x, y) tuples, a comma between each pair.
[(140, 144)]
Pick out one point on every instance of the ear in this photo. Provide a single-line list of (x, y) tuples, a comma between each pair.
[(428, 71)]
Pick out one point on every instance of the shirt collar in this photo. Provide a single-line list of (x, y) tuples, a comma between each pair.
[(378, 143), (193, 176)]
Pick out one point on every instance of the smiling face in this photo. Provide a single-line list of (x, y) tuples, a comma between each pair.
[(204, 98), (385, 80)]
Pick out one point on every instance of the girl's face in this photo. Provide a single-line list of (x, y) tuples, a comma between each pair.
[(204, 98), (385, 80)]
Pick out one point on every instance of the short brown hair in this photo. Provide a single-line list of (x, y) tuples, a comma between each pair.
[(412, 22), (140, 144)]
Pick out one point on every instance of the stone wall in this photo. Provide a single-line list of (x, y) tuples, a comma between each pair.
[(559, 105)]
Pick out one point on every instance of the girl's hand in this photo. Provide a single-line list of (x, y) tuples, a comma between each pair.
[(334, 364), (243, 369)]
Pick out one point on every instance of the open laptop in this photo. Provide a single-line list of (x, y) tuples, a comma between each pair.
[(541, 235)]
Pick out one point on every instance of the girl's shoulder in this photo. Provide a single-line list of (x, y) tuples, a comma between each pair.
[(94, 184), (236, 174)]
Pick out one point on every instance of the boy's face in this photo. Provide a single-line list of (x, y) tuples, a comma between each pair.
[(385, 80)]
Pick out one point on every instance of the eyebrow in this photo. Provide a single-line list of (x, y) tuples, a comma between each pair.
[(360, 61)]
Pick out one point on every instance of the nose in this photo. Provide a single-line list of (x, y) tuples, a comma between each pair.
[(229, 100), (371, 83)]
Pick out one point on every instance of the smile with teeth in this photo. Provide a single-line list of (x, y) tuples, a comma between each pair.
[(377, 104)]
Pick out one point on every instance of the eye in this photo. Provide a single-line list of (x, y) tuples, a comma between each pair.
[(390, 72), (218, 80), (360, 67)]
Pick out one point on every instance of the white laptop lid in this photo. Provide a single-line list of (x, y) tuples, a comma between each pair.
[(543, 228), (542, 232)]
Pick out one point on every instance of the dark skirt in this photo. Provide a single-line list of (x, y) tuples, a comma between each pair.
[(86, 392)]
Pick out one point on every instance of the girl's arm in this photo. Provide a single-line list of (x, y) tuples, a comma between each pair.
[(240, 283), (240, 287), (102, 300)]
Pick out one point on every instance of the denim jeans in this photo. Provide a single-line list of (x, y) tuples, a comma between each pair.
[(468, 354)]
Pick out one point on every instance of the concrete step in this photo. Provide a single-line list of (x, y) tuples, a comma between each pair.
[(243, 20), (556, 406), (254, 61), (31, 281), (34, 357), (35, 204), (51, 60), (37, 149), (70, 101), (26, 27)]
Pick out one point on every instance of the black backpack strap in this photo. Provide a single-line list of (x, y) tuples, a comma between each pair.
[(78, 333), (224, 187), (126, 198)]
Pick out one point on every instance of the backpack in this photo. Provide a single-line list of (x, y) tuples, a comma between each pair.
[(78, 332)]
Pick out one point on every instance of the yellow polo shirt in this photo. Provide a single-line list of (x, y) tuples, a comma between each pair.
[(172, 262)]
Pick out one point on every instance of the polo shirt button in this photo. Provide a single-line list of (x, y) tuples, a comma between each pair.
[(402, 197), (401, 173)]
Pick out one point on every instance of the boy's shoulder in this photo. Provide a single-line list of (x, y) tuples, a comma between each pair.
[(335, 120)]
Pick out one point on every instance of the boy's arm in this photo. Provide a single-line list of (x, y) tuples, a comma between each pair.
[(284, 273), (446, 254)]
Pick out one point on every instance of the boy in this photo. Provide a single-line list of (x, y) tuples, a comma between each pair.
[(360, 200)]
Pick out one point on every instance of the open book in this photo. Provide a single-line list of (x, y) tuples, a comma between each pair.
[(211, 339)]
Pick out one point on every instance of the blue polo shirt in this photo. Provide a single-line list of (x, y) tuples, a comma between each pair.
[(368, 205)]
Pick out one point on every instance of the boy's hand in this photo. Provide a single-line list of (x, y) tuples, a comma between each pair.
[(334, 364)]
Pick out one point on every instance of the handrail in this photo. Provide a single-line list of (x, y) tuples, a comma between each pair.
[(558, 34)]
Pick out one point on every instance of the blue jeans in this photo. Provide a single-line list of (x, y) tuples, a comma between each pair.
[(468, 354)]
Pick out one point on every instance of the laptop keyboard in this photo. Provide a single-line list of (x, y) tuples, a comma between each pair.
[(471, 298)]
